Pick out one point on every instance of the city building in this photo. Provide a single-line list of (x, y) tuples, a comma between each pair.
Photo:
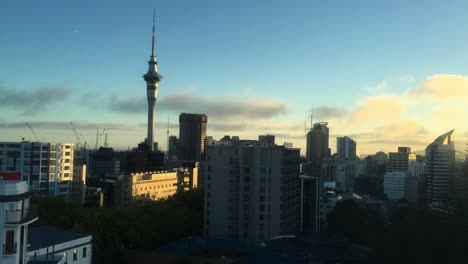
[(394, 185), (15, 217), (172, 148), (46, 167), (342, 171), (152, 79), (47, 244), (192, 133), (317, 144), (153, 185), (440, 168), (400, 161), (251, 190), (104, 162), (381, 158), (346, 147)]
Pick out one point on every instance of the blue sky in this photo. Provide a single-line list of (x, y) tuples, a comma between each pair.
[(269, 62)]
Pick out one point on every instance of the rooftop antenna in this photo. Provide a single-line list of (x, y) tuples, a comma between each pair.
[(305, 127), (311, 119), (167, 134), (106, 143)]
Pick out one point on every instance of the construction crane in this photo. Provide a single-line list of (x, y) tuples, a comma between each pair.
[(32, 131), (106, 143), (98, 137), (76, 135)]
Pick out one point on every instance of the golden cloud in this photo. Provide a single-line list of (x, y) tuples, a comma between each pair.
[(443, 87), (377, 108)]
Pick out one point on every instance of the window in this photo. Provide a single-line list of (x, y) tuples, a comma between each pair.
[(67, 153), (75, 255), (84, 252)]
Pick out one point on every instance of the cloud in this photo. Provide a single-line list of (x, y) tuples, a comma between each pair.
[(31, 101), (379, 88), (442, 87), (329, 112), (377, 108), (232, 107)]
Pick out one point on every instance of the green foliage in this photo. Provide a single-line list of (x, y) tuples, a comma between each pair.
[(146, 225), (357, 224)]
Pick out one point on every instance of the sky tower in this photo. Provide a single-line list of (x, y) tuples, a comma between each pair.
[(152, 79)]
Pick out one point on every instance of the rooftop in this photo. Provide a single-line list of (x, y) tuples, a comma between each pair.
[(43, 236)]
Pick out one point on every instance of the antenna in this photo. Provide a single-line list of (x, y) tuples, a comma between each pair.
[(106, 143), (312, 119), (154, 22), (167, 134), (305, 128)]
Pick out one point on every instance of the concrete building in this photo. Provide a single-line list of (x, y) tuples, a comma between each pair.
[(154, 185), (343, 172), (152, 79), (251, 190), (346, 147), (400, 161), (317, 143), (49, 245), (192, 133), (46, 167), (394, 185), (15, 217), (172, 148), (440, 168), (381, 158), (104, 162)]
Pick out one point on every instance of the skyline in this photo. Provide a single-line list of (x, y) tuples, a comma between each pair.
[(383, 82)]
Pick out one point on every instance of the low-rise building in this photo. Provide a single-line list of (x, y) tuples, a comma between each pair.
[(50, 243)]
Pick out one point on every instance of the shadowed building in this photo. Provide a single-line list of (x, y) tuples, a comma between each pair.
[(192, 133), (317, 143), (346, 147), (440, 169)]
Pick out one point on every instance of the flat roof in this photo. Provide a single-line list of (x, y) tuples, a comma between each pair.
[(43, 236)]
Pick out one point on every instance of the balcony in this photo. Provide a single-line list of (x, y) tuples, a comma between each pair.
[(18, 217), (9, 249)]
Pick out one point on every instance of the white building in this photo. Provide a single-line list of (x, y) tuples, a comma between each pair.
[(394, 185), (15, 216), (46, 242), (252, 190), (46, 167)]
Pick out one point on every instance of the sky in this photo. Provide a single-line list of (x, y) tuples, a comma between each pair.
[(386, 73)]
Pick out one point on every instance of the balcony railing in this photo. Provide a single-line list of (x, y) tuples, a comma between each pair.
[(9, 249), (20, 216)]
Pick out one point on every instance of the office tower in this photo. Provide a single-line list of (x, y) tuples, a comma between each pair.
[(346, 147), (381, 158), (317, 143), (251, 190), (172, 149), (46, 167), (104, 162), (152, 79), (394, 185), (192, 133), (400, 161), (440, 168)]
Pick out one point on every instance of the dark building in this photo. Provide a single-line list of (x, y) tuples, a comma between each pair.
[(172, 149), (317, 144), (440, 170), (346, 147), (104, 162), (192, 133)]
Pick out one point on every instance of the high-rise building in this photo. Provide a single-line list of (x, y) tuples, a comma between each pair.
[(252, 190), (104, 162), (172, 148), (317, 143), (394, 185), (192, 133), (346, 147), (400, 161), (152, 79), (440, 169), (46, 167)]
